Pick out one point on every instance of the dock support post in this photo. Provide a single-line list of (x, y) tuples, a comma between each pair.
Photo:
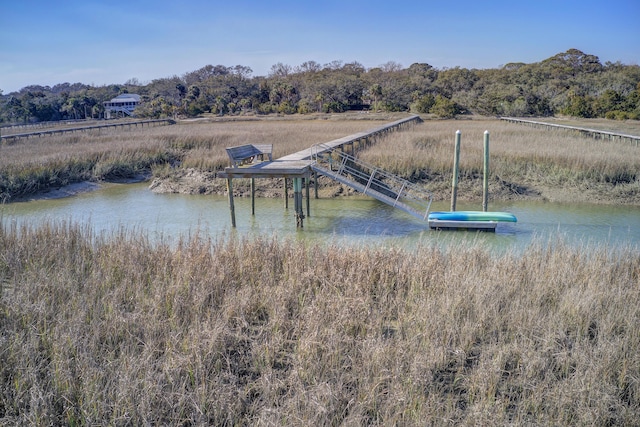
[(315, 183), (286, 193), (253, 196), (231, 206), (297, 200), (485, 178), (307, 190), (456, 166)]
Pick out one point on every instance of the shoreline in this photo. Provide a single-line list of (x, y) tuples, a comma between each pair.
[(74, 189), (195, 182)]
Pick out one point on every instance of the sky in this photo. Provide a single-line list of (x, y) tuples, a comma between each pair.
[(96, 42)]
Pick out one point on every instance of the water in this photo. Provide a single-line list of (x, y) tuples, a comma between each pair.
[(344, 221)]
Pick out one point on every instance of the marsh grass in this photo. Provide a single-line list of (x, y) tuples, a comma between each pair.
[(114, 330), (40, 163), (522, 159)]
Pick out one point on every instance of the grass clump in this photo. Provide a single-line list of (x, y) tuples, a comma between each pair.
[(113, 329)]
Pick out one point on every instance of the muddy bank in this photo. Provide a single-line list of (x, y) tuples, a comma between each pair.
[(193, 181), (76, 188), (61, 192)]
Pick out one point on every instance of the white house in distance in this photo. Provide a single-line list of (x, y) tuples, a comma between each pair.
[(123, 104)]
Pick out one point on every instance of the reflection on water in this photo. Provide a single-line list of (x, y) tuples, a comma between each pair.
[(359, 221)]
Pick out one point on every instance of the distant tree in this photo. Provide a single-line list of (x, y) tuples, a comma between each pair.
[(391, 66), (182, 90), (578, 106), (455, 80), (308, 67), (280, 70), (242, 71), (353, 68), (194, 92), (444, 108), (376, 92), (333, 65), (610, 100), (423, 103), (574, 61)]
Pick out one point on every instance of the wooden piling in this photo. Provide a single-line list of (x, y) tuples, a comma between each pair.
[(485, 178), (297, 200), (307, 190), (456, 166), (286, 193), (231, 205), (253, 196), (315, 183)]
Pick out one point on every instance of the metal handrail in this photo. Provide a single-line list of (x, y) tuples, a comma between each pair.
[(372, 181)]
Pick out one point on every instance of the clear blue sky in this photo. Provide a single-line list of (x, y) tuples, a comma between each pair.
[(101, 42)]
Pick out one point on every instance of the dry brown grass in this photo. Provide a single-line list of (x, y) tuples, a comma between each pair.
[(113, 330), (39, 163), (523, 160), (287, 136)]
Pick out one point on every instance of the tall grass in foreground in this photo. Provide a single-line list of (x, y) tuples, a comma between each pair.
[(116, 330)]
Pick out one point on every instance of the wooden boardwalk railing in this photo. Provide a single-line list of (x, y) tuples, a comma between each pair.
[(594, 133), (141, 123), (355, 138)]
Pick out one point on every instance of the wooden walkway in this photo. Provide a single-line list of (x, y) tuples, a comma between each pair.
[(40, 133), (594, 133), (361, 138), (298, 166)]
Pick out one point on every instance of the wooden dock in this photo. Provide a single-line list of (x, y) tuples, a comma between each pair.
[(298, 167), (270, 169)]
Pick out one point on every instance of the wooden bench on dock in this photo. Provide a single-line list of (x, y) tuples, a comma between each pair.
[(249, 153)]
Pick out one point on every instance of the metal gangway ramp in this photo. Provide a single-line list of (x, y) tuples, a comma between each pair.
[(365, 178)]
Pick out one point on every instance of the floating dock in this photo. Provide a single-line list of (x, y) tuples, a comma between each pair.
[(468, 220), (463, 225)]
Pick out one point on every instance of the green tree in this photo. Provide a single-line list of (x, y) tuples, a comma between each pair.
[(423, 104), (578, 106), (375, 92), (444, 108)]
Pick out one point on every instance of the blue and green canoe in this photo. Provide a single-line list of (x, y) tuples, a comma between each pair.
[(472, 216)]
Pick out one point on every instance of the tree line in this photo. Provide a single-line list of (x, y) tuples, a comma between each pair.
[(570, 83)]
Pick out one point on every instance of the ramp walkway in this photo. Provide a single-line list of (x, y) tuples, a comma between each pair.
[(371, 181)]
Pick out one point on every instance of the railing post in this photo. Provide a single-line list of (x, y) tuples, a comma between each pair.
[(342, 165), (373, 173)]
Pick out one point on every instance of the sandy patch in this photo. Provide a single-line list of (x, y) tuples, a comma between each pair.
[(59, 193)]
